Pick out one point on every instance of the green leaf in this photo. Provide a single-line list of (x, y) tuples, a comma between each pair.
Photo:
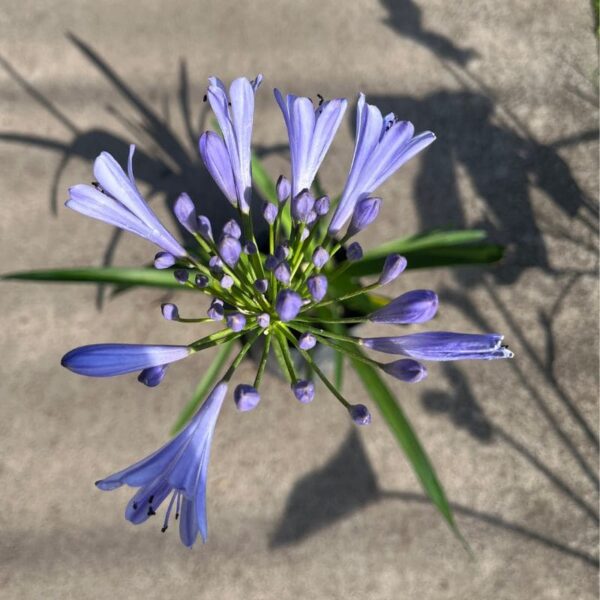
[(203, 387), (429, 239), (407, 439), (116, 275)]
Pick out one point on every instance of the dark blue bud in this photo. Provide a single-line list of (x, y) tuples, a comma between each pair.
[(320, 257), (204, 227), (288, 305), (282, 273), (201, 281), (269, 212), (322, 205), (230, 250), (250, 248), (185, 211), (215, 264), (236, 321), (282, 251), (307, 341), (170, 311), (181, 275), (304, 391), (152, 376), (354, 252), (232, 229), (283, 188), (360, 414), (416, 306), (263, 320), (301, 206), (261, 285), (392, 267), (406, 369), (246, 397), (365, 213), (226, 282), (271, 262), (216, 310), (164, 260), (317, 287)]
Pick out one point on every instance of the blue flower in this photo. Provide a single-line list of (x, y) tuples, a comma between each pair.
[(108, 360), (179, 468), (229, 159), (118, 202), (442, 345), (310, 131), (383, 145)]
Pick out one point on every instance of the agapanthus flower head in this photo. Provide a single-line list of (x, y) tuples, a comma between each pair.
[(287, 292)]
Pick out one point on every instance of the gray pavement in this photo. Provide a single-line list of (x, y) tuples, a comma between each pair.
[(300, 505)]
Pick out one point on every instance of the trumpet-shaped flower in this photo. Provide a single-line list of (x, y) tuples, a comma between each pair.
[(179, 468)]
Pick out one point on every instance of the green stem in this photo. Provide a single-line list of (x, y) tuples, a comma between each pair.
[(285, 353), (238, 359), (308, 358), (263, 362)]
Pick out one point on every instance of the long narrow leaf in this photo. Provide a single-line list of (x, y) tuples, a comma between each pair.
[(407, 439), (262, 181), (117, 275), (203, 387)]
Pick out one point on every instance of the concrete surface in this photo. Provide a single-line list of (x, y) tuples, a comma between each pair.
[(300, 505)]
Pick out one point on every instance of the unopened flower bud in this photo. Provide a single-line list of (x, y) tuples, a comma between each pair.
[(320, 257), (246, 397), (261, 285), (236, 321), (406, 369), (301, 206), (269, 212), (282, 251), (185, 211), (250, 248), (263, 320), (304, 391), (226, 282), (317, 287), (232, 229), (215, 264), (164, 260), (204, 227), (230, 250), (152, 376), (322, 205), (354, 252), (271, 262), (283, 189), (282, 273), (288, 305), (181, 275), (365, 213), (392, 267), (360, 414), (201, 281), (416, 306), (170, 311), (307, 341), (216, 310)]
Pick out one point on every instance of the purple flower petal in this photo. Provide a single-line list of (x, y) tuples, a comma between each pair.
[(365, 212), (152, 376), (179, 467), (107, 360), (218, 163), (442, 345), (246, 397), (416, 306), (393, 266), (170, 311), (185, 211), (232, 229), (304, 391), (360, 414), (288, 305), (320, 257), (283, 189), (406, 369), (317, 287), (307, 341), (164, 260), (354, 252), (230, 250), (236, 321)]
